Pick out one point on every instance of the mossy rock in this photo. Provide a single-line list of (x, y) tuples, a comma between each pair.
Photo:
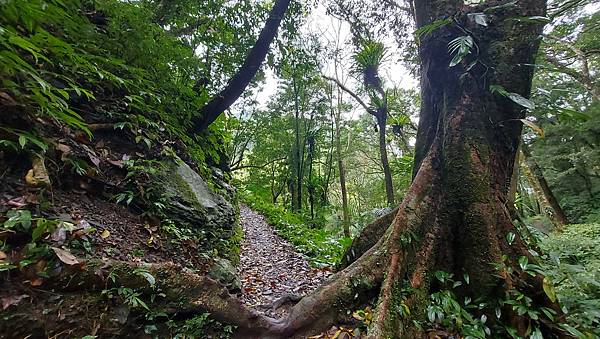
[(223, 271), (192, 203)]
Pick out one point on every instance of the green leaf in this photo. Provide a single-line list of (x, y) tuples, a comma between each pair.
[(549, 289), (572, 330), (39, 230), (533, 19), (22, 141), (149, 277), (510, 237), (430, 28), (520, 100), (537, 334), (515, 97), (460, 47), (523, 261), (497, 89)]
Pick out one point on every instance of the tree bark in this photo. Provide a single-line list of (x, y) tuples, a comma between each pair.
[(557, 215), (366, 239), (387, 172), (238, 83)]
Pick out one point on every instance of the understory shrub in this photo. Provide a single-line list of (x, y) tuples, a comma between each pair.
[(572, 261)]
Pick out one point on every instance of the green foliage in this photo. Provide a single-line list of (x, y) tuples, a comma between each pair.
[(199, 326), (322, 248), (515, 97), (432, 27), (31, 49), (572, 261), (460, 48), (371, 54), (446, 310)]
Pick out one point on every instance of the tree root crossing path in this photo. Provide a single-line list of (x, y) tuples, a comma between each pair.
[(274, 275)]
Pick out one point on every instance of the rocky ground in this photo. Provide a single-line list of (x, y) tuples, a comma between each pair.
[(271, 269)]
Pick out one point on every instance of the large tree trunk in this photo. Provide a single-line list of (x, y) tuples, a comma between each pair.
[(557, 215), (238, 83), (453, 218)]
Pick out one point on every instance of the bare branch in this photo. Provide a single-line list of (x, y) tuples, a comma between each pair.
[(354, 95)]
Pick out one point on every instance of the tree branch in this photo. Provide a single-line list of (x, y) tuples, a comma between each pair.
[(238, 83), (354, 95)]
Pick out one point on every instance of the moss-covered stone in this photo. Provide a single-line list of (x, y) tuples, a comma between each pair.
[(192, 203)]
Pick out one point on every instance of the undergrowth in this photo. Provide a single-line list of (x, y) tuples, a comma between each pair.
[(324, 248), (572, 260)]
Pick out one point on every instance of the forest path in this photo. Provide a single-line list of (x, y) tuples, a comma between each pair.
[(271, 268)]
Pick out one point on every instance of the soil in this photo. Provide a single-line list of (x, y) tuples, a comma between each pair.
[(271, 269), (129, 237)]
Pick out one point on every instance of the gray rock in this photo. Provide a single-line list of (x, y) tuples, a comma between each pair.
[(223, 271), (193, 203)]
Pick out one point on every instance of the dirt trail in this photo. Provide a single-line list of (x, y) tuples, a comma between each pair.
[(270, 267)]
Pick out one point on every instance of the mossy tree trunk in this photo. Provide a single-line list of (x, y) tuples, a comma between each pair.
[(454, 216)]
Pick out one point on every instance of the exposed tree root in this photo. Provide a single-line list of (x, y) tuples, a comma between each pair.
[(185, 292), (368, 237)]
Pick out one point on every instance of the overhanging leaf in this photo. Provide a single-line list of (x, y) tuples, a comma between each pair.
[(537, 129), (515, 97), (149, 277), (460, 47), (520, 100)]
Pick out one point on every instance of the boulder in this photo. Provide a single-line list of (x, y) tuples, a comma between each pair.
[(192, 203)]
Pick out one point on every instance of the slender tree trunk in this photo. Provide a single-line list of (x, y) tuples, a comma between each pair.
[(387, 172), (381, 116), (340, 161), (297, 170), (238, 83), (557, 215), (324, 198), (311, 188)]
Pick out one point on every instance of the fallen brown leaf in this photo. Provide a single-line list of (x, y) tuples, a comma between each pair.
[(36, 282), (12, 300), (65, 256)]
